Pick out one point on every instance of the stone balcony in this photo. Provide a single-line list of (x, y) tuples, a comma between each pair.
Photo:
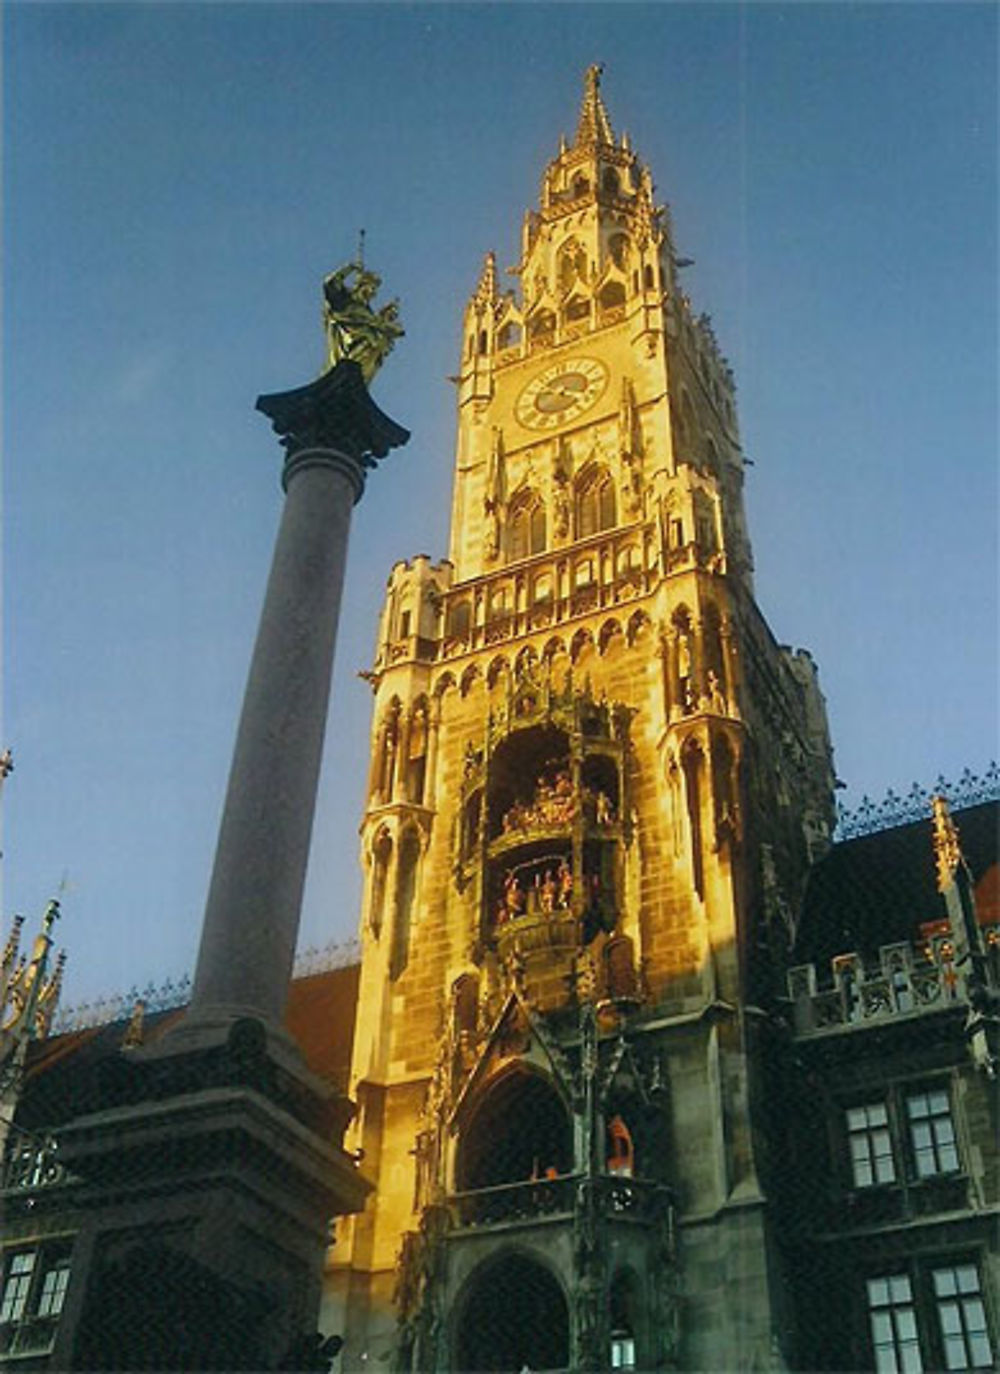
[(630, 1201), (606, 571), (906, 981)]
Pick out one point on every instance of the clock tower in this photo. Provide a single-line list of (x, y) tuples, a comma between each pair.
[(596, 785)]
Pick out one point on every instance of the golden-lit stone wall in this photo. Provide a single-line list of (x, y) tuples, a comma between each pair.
[(599, 561)]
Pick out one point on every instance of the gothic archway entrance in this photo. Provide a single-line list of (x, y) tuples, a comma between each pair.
[(514, 1316)]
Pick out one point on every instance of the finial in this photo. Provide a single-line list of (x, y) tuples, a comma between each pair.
[(132, 1039), (947, 847), (361, 248), (594, 126), (487, 288)]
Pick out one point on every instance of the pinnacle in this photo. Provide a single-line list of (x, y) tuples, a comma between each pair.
[(487, 288), (594, 127)]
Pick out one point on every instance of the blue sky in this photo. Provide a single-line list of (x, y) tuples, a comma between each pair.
[(177, 181)]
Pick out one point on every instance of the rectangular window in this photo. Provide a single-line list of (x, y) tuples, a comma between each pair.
[(55, 1280), (932, 1133), (17, 1282), (893, 1324), (965, 1339), (870, 1145)]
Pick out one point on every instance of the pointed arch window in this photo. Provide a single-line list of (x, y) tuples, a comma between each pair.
[(623, 1312), (541, 324), (526, 529), (618, 249), (596, 508), (612, 294), (693, 763), (704, 520), (576, 309)]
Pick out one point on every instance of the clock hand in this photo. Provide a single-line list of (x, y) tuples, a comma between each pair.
[(564, 390)]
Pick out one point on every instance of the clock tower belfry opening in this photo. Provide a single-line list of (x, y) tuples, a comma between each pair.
[(596, 784)]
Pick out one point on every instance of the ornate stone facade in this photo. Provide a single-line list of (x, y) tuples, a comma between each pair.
[(596, 785)]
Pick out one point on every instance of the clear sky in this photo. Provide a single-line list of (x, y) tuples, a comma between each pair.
[(178, 179)]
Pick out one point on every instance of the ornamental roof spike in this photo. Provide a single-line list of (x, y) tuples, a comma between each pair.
[(947, 846), (868, 816), (487, 290), (593, 127), (10, 951)]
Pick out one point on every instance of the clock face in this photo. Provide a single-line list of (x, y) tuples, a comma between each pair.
[(561, 393)]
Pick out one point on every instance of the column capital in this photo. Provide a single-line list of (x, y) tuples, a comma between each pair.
[(332, 420)]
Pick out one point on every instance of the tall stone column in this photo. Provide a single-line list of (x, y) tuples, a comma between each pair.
[(229, 1147), (332, 431)]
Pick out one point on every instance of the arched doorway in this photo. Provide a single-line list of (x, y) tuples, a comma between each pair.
[(514, 1316)]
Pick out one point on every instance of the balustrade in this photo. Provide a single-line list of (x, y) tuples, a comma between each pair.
[(907, 981), (632, 1200), (619, 572)]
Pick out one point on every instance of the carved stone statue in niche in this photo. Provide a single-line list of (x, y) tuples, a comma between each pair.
[(561, 505), (716, 697), (496, 490), (630, 447)]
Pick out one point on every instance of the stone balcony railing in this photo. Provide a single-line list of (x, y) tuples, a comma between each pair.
[(565, 331), (605, 571), (631, 1200), (905, 982)]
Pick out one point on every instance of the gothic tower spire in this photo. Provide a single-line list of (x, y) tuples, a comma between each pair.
[(593, 126), (594, 775)]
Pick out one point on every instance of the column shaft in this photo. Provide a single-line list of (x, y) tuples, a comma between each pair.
[(252, 913)]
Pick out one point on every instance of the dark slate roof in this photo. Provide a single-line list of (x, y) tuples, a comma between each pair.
[(879, 889), (320, 1015)]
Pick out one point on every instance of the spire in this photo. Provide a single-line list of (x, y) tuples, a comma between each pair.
[(947, 849), (594, 126), (487, 289)]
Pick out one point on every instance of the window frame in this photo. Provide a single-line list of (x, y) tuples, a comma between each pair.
[(869, 1132), (961, 1299), (928, 1296), (895, 1311), (29, 1317), (909, 1149), (940, 1142)]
